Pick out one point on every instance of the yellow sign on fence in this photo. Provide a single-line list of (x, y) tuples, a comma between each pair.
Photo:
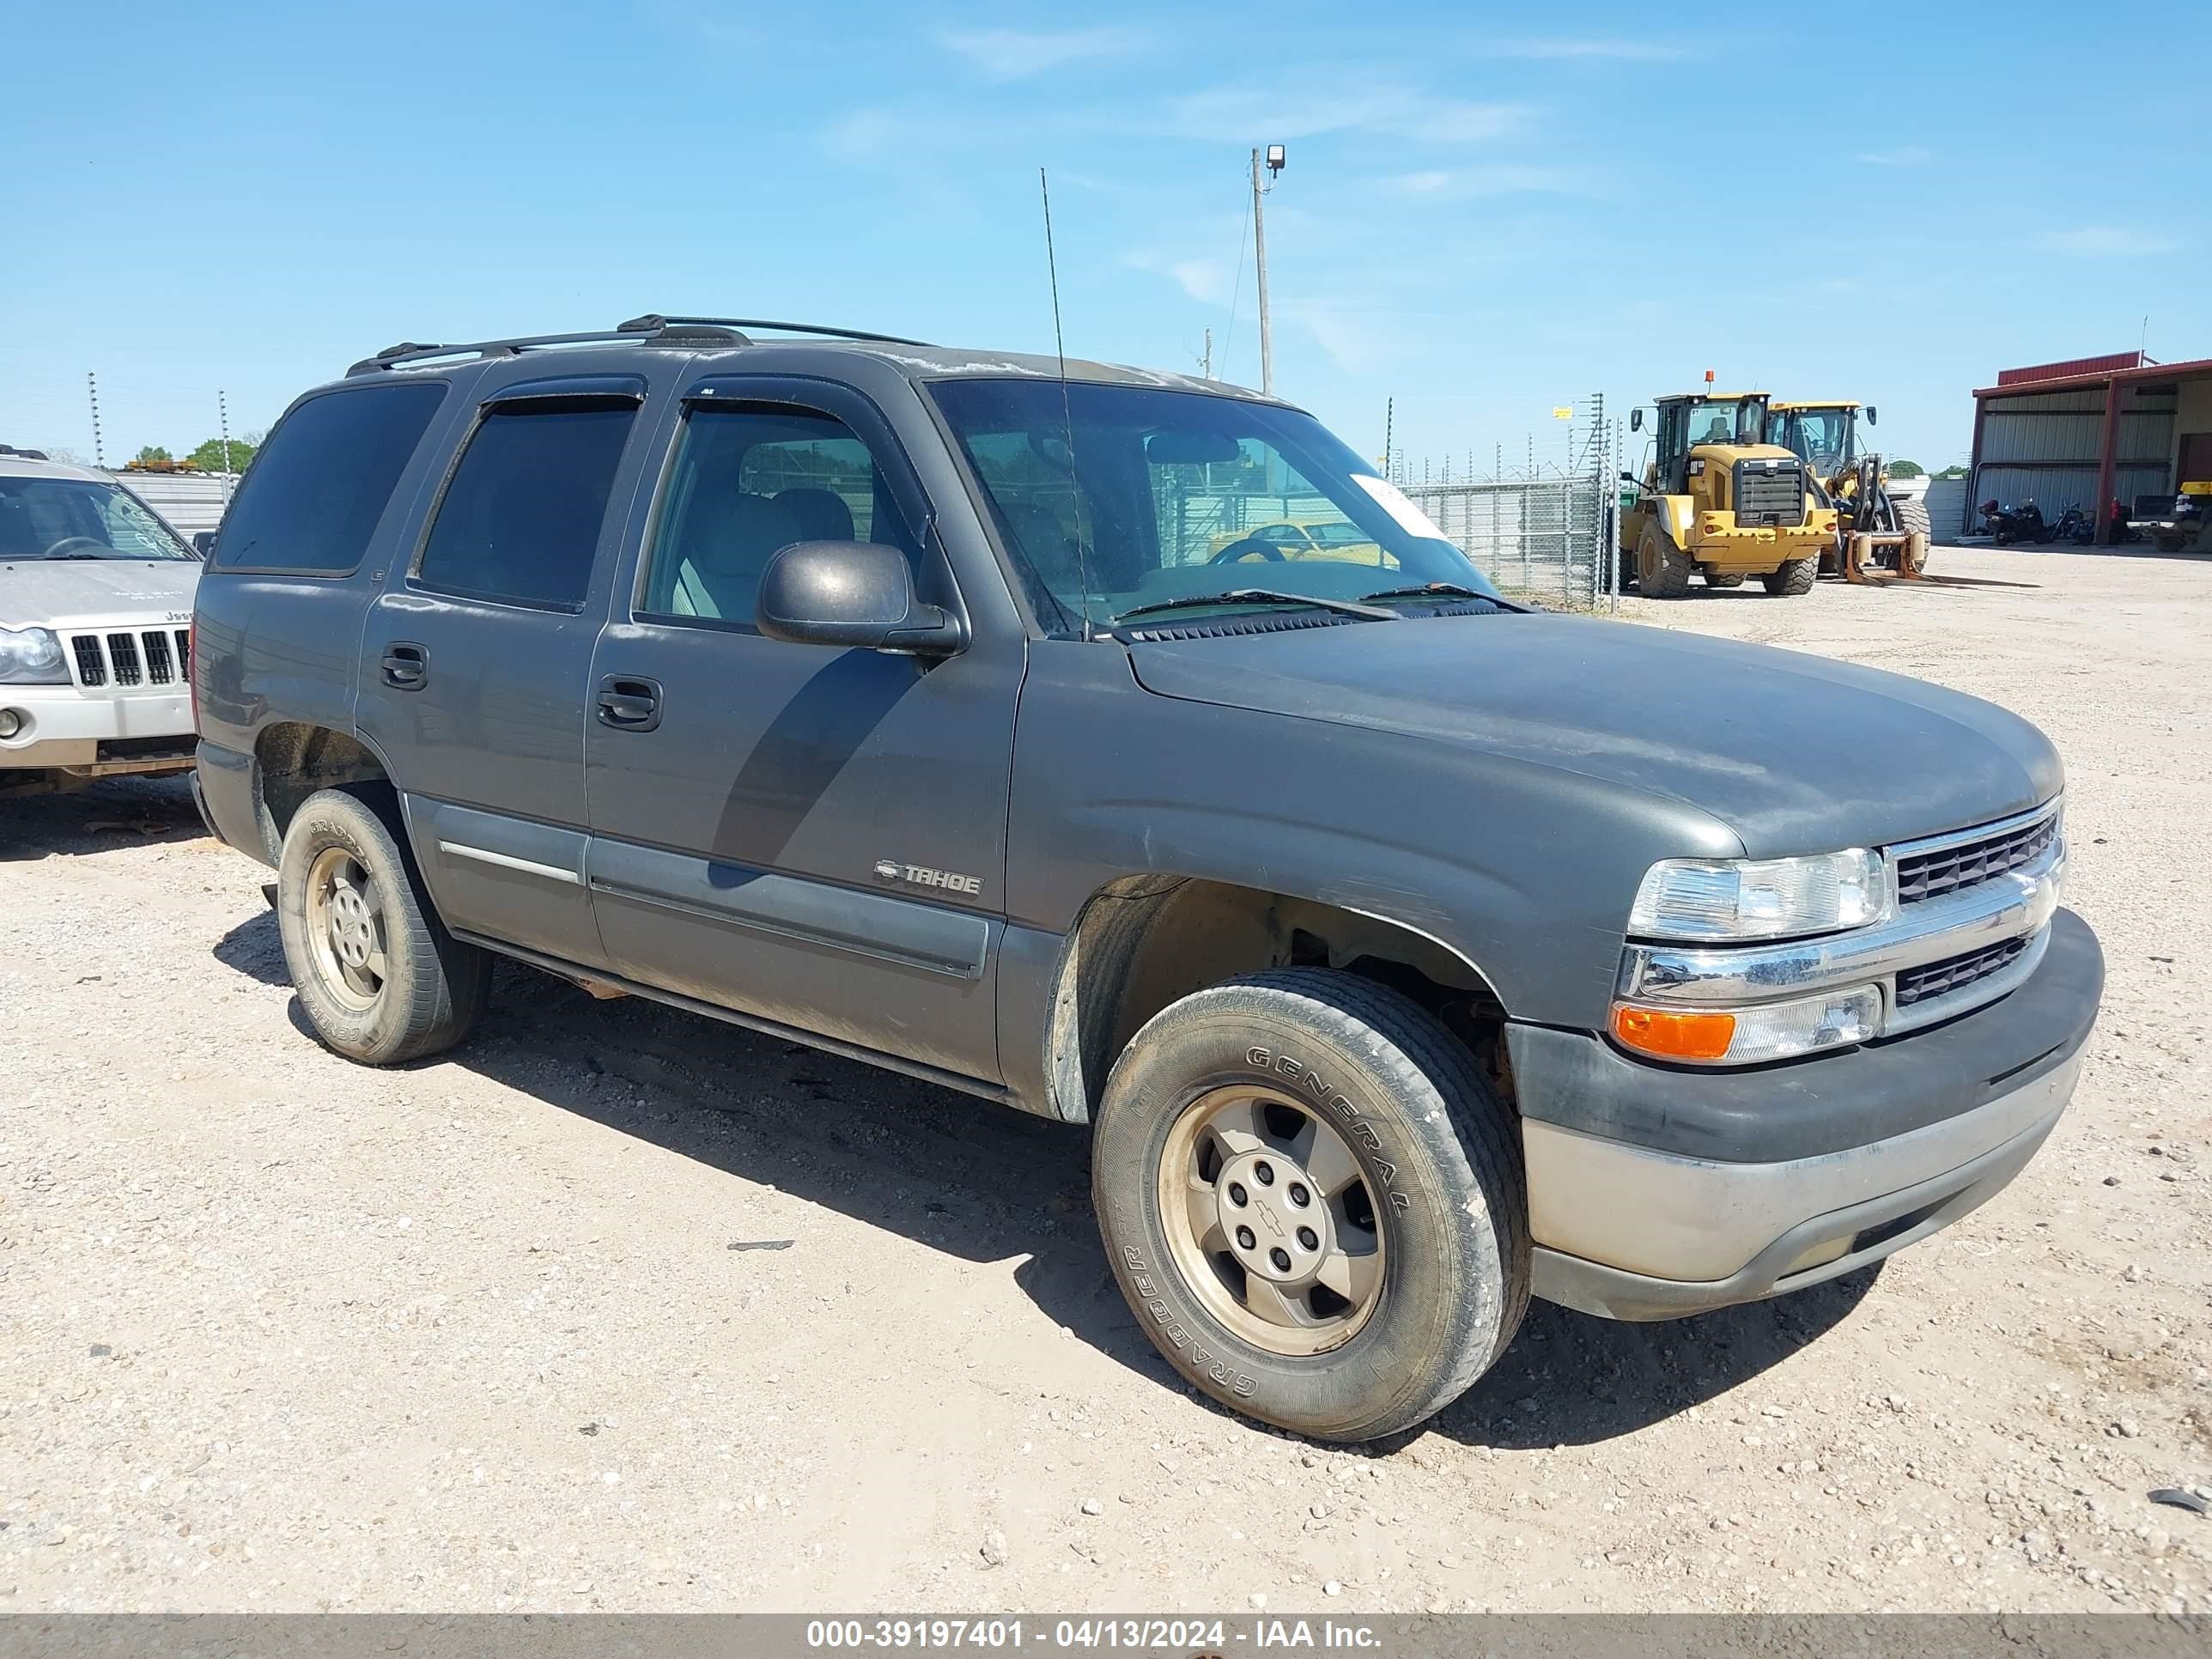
[(1561, 412)]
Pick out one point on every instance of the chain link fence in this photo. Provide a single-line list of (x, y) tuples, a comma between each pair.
[(1546, 531), (1545, 539)]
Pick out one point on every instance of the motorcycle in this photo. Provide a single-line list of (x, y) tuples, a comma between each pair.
[(2008, 525), (2075, 526)]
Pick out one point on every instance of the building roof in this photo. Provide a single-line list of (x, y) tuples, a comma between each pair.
[(2080, 373)]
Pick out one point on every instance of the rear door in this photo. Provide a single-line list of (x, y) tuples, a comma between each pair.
[(813, 835), (476, 657)]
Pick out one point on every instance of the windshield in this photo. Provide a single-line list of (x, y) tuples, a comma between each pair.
[(79, 519), (1180, 494), (1726, 420), (1820, 437)]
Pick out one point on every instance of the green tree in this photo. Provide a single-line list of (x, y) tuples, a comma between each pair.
[(209, 457), (1951, 472), (154, 452), (1907, 470)]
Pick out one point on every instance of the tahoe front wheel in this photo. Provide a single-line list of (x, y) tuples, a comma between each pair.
[(1312, 1201)]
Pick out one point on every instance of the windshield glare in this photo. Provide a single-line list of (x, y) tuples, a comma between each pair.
[(1726, 421), (1177, 495), (79, 519)]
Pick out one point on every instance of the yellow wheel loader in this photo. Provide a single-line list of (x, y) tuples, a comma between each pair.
[(1717, 501), (1891, 531)]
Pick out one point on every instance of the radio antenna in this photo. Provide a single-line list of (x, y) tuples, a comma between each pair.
[(1066, 414)]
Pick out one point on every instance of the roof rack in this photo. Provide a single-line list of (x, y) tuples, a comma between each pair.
[(652, 329), (23, 454), (653, 319)]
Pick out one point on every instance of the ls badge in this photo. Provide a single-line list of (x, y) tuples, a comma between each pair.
[(918, 875)]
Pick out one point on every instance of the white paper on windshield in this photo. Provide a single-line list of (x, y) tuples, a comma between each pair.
[(1400, 506)]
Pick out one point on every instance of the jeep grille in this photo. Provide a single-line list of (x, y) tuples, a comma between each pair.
[(131, 659)]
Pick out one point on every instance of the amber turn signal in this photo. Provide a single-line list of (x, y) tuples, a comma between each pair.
[(1674, 1034)]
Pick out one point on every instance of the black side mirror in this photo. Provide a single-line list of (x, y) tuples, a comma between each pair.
[(1871, 412), (853, 594), (203, 542), (1636, 420)]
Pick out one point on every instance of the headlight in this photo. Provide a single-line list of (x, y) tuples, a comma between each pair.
[(1761, 898), (1743, 1037), (31, 656)]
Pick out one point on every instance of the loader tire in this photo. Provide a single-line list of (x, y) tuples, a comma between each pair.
[(1662, 569), (1793, 579), (1913, 516)]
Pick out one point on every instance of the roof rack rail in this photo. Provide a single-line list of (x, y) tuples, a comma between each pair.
[(23, 454), (680, 332), (652, 329), (653, 319)]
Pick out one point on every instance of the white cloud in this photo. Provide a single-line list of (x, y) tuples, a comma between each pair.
[(1623, 48), (1210, 282), (2105, 242), (1233, 114), (1496, 181), (1011, 54), (1904, 155)]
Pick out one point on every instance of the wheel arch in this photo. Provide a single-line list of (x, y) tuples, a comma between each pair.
[(1143, 941), (292, 759)]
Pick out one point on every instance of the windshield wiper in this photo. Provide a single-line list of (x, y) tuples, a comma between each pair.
[(1442, 591), (1262, 596)]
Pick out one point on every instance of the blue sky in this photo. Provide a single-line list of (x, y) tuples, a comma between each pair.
[(1488, 212)]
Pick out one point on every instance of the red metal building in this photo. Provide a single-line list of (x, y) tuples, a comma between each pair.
[(2091, 431)]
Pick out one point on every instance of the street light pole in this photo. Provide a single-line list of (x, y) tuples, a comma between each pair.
[(1274, 160)]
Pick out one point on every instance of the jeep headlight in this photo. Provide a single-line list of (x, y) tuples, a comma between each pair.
[(1727, 899), (31, 656)]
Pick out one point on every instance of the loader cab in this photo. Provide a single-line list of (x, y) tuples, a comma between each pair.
[(1692, 422), (1825, 436)]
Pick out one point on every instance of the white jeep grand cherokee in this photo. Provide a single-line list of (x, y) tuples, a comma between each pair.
[(95, 630)]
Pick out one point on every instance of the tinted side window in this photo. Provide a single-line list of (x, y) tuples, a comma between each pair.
[(312, 497), (520, 520), (748, 483)]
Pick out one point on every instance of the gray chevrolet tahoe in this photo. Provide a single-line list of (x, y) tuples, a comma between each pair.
[(1408, 952)]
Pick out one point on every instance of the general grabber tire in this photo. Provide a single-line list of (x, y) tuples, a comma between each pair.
[(1794, 580), (1333, 1135), (382, 981)]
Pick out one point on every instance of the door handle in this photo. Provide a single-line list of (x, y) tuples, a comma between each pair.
[(406, 665), (630, 703)]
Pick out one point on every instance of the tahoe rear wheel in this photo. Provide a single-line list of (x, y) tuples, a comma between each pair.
[(380, 978), (1312, 1201)]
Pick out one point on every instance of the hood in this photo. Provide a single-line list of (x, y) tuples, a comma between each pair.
[(1733, 452), (68, 593), (1795, 753)]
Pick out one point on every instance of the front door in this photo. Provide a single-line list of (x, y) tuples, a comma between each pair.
[(812, 835), (477, 665)]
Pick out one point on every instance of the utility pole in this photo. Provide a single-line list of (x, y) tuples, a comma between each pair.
[(1206, 357), (1259, 252), (92, 390), (1389, 415)]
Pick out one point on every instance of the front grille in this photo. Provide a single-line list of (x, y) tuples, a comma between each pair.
[(123, 658), (152, 656), (1932, 875), (1769, 493), (1953, 973)]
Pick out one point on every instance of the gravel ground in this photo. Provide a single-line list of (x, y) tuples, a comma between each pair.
[(277, 1332)]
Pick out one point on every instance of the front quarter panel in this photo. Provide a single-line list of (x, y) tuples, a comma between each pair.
[(1524, 870)]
